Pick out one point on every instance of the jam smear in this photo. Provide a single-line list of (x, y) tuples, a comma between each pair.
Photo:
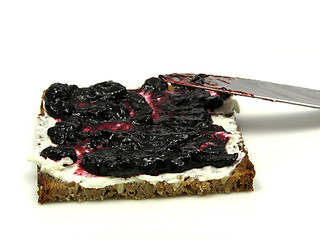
[(57, 153), (111, 131)]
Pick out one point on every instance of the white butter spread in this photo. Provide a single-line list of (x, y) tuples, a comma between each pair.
[(64, 170)]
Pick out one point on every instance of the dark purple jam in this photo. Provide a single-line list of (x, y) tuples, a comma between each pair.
[(112, 131)]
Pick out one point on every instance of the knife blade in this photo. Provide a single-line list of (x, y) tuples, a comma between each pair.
[(248, 87)]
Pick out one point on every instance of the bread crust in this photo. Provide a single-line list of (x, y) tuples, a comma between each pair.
[(55, 190)]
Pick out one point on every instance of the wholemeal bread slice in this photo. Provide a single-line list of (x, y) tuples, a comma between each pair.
[(54, 188)]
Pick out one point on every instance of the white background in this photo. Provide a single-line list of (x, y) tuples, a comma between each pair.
[(85, 42)]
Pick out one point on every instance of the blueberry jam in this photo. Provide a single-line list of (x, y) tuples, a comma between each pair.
[(111, 131)]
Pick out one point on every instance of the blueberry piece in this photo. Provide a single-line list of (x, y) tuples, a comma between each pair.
[(64, 132), (154, 84), (126, 168), (142, 119), (213, 149), (57, 92), (186, 101), (81, 136), (57, 153), (59, 110), (137, 98), (93, 162), (83, 95), (154, 165), (105, 163), (102, 111), (167, 162), (213, 102), (127, 143), (141, 109), (181, 99), (109, 90), (214, 128), (173, 147), (101, 138), (139, 103), (177, 164), (220, 160), (103, 134), (168, 107), (56, 100), (224, 160), (118, 140), (192, 121)]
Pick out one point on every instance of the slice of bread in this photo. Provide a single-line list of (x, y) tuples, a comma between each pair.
[(55, 189)]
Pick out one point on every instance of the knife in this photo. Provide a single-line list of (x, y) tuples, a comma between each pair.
[(247, 87)]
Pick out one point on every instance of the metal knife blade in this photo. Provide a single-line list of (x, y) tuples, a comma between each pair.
[(249, 88)]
